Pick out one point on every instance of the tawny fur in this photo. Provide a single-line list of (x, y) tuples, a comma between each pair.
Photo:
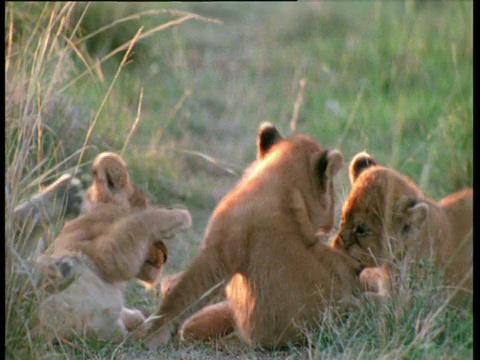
[(261, 241), (386, 218), (110, 243)]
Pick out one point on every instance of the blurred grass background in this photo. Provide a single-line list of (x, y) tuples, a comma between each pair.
[(394, 78)]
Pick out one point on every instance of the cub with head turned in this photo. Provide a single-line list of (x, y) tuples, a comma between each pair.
[(261, 241), (387, 218), (115, 239)]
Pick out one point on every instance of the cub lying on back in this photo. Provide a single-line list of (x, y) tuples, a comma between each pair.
[(261, 241), (115, 239), (386, 217)]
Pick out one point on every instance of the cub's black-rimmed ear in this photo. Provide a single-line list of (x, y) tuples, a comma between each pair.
[(360, 162), (268, 135), (327, 164)]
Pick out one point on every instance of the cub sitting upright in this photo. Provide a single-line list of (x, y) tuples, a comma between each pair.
[(261, 241), (115, 239), (386, 217)]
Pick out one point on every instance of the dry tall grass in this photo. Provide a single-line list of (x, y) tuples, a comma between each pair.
[(46, 134)]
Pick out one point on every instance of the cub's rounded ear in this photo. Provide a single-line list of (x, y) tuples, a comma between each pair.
[(418, 213), (414, 210), (327, 164), (110, 169), (360, 162), (268, 135), (335, 162)]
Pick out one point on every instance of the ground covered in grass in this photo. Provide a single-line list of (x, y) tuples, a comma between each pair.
[(183, 105)]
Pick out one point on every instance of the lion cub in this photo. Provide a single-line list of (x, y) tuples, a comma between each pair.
[(261, 242), (386, 217), (115, 239)]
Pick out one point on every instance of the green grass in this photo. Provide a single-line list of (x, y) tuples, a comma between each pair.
[(394, 78)]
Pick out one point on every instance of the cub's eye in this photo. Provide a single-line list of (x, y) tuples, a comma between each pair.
[(94, 172), (361, 230)]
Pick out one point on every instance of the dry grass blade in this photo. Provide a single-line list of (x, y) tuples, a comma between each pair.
[(352, 115), (79, 54), (139, 15), (63, 52), (92, 125), (150, 32), (211, 160), (135, 123), (50, 172), (178, 106), (9, 41), (296, 106)]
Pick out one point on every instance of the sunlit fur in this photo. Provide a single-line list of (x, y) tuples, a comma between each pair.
[(387, 218), (110, 169), (261, 241), (110, 243)]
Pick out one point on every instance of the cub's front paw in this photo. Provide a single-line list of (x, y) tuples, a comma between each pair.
[(132, 318)]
